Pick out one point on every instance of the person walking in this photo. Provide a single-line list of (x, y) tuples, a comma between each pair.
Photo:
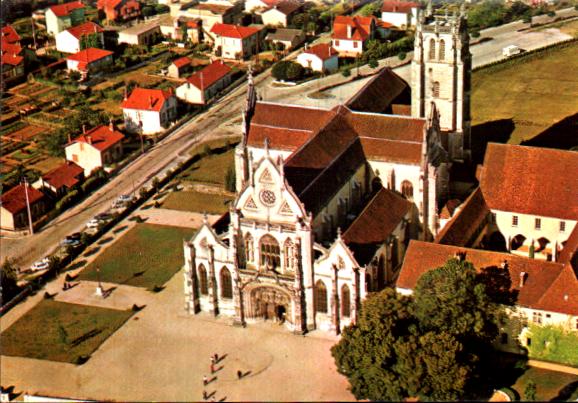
[(205, 395), (239, 374), (205, 380)]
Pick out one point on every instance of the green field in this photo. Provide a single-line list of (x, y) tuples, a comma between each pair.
[(549, 384), (528, 96), (146, 256), (197, 202), (57, 331), (211, 169)]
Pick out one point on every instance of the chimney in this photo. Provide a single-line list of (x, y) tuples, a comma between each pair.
[(89, 139), (504, 265), (83, 129), (125, 93), (460, 256), (69, 138), (150, 101), (522, 278), (110, 125), (348, 31)]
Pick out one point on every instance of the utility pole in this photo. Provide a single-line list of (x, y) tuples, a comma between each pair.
[(28, 207), (33, 32)]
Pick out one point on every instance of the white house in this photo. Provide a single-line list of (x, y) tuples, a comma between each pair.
[(351, 33), (206, 83), (258, 6), (63, 16), (140, 34), (402, 14), (149, 111), (235, 41), (89, 61), (70, 40), (289, 38), (322, 58), (280, 14)]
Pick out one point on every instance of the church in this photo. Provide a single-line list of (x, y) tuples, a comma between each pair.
[(327, 200)]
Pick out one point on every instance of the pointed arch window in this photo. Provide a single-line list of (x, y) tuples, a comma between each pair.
[(226, 284), (203, 282), (407, 189), (270, 252), (432, 49), (320, 297), (345, 301), (436, 89), (442, 51), (249, 251), (288, 253)]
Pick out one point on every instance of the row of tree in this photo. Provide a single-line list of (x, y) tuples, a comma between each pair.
[(433, 344)]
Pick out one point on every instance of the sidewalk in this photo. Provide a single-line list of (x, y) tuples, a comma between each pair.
[(553, 367)]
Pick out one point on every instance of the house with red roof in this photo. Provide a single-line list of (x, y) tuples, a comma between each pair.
[(206, 83), (179, 66), (119, 10), (321, 57), (89, 61), (402, 14), (63, 16), (13, 63), (13, 207), (350, 34), (282, 13), (149, 111), (237, 42), (96, 148), (61, 180), (74, 39)]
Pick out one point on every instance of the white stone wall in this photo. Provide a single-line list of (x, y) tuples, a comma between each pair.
[(313, 62), (151, 120), (67, 43), (347, 47), (274, 18), (398, 19), (87, 157)]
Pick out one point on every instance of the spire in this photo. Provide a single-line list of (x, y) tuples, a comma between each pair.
[(429, 9)]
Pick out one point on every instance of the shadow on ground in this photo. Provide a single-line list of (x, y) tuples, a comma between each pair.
[(496, 131), (562, 135)]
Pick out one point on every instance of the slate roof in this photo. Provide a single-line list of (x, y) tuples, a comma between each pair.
[(531, 180), (285, 7), (284, 34)]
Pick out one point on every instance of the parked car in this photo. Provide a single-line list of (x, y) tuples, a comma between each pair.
[(71, 240), (126, 198), (94, 223), (40, 265), (103, 216)]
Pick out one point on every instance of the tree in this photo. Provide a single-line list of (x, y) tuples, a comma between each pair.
[(294, 71), (156, 184), (373, 63), (148, 11), (230, 179), (287, 71), (369, 9), (530, 391), (90, 41), (346, 72), (8, 280)]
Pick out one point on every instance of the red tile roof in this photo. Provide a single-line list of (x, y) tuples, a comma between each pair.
[(87, 28), (323, 51), (562, 295), (11, 59), (360, 27), (531, 180), (101, 137), (379, 92), (14, 200), (87, 56), (540, 275), (233, 31), (182, 61), (65, 9), (209, 74), (400, 109), (465, 223), (147, 99), (66, 175), (570, 250), (395, 6), (9, 35), (10, 47)]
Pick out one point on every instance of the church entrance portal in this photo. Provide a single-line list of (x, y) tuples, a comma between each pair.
[(270, 304)]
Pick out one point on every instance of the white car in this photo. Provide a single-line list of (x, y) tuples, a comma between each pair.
[(40, 265), (94, 223)]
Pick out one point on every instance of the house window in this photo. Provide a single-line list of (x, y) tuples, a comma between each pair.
[(537, 317), (270, 252), (548, 316), (514, 221), (442, 53), (226, 284), (320, 297), (336, 43), (562, 226), (504, 338), (432, 49), (355, 45), (537, 223), (203, 283), (493, 218), (407, 189), (75, 157), (345, 301)]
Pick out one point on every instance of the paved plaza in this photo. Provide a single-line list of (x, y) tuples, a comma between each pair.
[(162, 354)]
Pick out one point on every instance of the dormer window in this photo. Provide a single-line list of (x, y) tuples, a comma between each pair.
[(514, 221), (562, 226), (538, 223)]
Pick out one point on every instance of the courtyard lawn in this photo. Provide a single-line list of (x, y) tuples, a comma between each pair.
[(535, 93), (146, 256), (549, 384), (211, 169), (58, 331), (197, 202)]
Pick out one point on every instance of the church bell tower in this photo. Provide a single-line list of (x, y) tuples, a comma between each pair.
[(441, 73)]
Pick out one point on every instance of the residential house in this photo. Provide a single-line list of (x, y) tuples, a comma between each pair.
[(206, 83), (89, 61), (289, 38), (13, 207), (61, 180), (402, 14), (140, 34), (258, 6), (321, 57), (235, 41), (350, 34), (281, 14), (13, 63), (96, 148), (119, 10), (63, 16), (74, 39), (149, 111), (211, 13), (179, 66), (174, 28)]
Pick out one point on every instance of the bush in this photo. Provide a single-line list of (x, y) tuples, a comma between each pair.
[(67, 200), (530, 391), (373, 63), (143, 192), (156, 183), (553, 343), (475, 34), (401, 55), (346, 72), (551, 13), (287, 71)]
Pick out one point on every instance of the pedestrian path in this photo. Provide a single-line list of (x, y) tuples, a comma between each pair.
[(175, 218), (553, 367)]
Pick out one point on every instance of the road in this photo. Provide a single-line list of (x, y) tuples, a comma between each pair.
[(217, 121)]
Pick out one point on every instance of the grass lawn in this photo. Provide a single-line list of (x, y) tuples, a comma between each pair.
[(548, 383), (211, 169), (146, 256), (58, 331), (197, 202), (534, 93), (214, 144)]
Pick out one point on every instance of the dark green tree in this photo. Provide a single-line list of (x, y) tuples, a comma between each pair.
[(90, 41), (230, 179), (287, 70), (8, 280), (530, 391)]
